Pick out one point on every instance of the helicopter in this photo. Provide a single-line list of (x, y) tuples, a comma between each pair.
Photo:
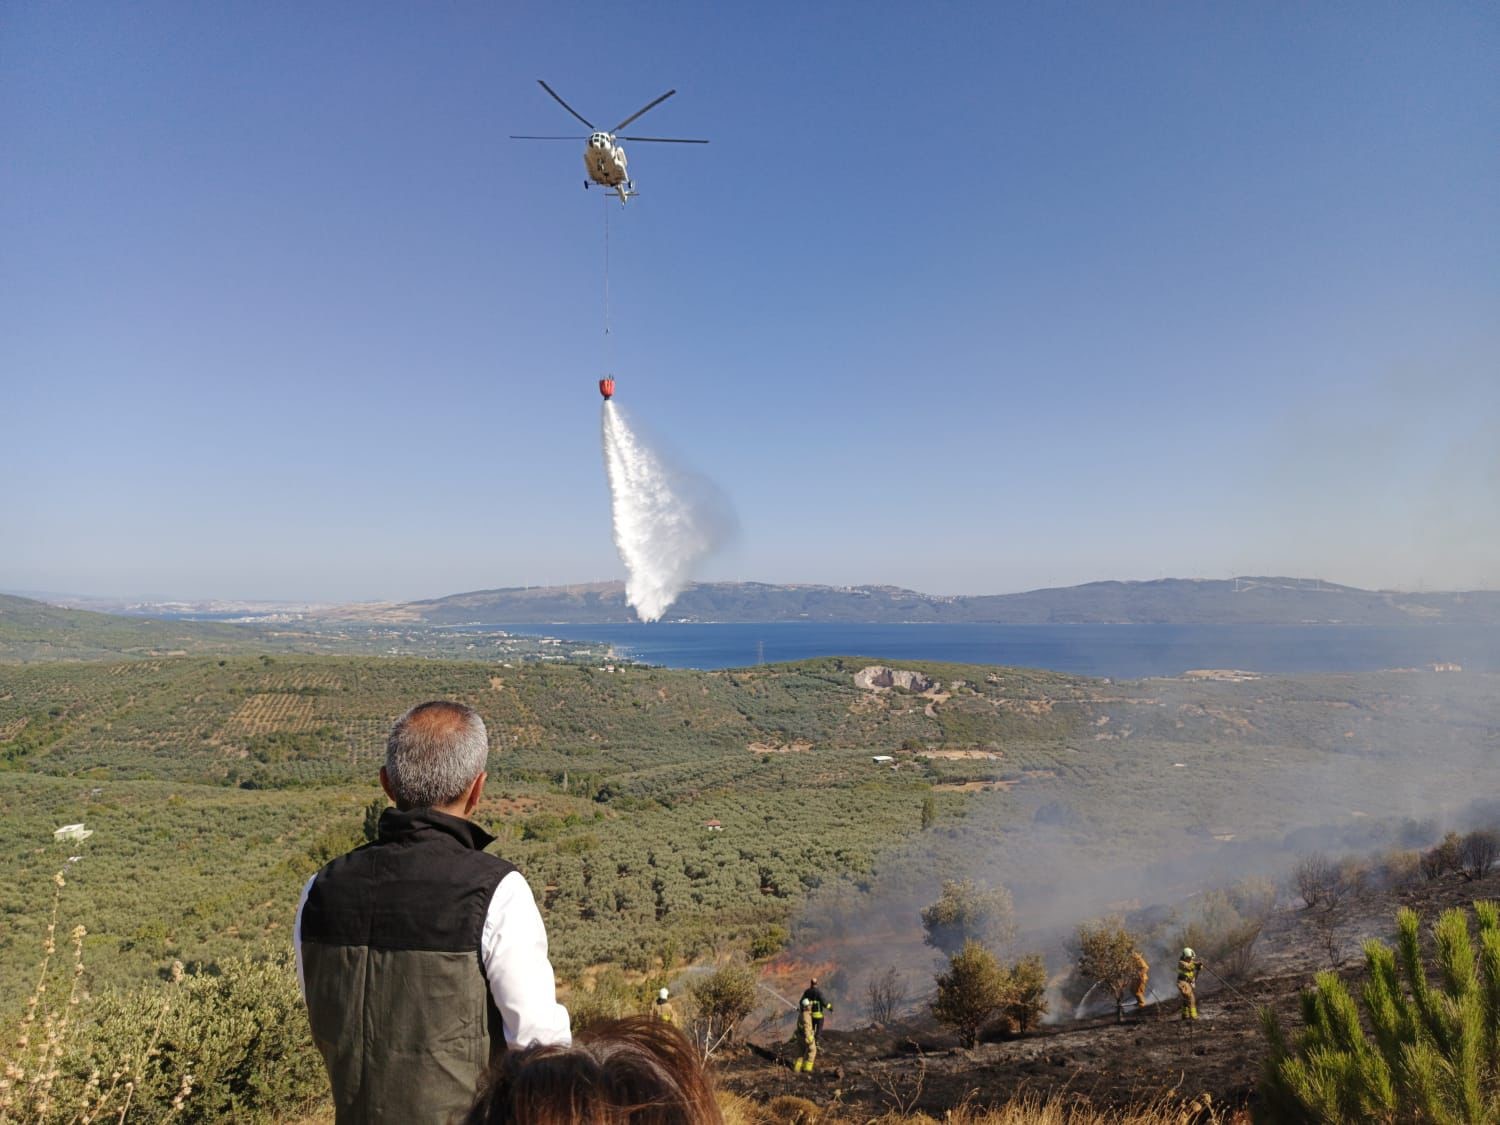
[(604, 158)]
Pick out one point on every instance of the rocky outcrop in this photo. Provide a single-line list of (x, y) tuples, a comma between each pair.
[(877, 676)]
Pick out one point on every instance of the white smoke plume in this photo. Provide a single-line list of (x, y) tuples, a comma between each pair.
[(665, 521)]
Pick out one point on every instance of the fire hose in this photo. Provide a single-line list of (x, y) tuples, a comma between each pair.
[(1229, 986)]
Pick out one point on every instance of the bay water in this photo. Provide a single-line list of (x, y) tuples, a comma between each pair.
[(1119, 651)]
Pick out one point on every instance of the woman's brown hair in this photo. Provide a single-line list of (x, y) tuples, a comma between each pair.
[(636, 1070)]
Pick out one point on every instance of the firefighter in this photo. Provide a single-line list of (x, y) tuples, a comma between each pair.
[(807, 1038), (820, 1005), (662, 1008), (1188, 967), (1142, 974)]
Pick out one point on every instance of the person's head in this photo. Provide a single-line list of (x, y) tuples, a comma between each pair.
[(806, 1003), (663, 995), (434, 758), (814, 982), (636, 1070), (1187, 953)]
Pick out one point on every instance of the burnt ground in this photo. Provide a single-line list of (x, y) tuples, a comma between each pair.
[(920, 1066)]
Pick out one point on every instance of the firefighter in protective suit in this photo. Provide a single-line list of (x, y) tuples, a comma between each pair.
[(1142, 974), (661, 1009), (820, 1004), (1188, 967), (807, 1039)]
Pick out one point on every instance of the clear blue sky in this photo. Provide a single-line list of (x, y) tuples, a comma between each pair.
[(969, 298)]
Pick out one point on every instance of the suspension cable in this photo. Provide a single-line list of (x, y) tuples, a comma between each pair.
[(607, 366)]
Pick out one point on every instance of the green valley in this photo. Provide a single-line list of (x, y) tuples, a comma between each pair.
[(662, 815)]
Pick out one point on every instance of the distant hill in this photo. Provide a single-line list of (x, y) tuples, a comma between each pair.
[(1176, 601), (32, 630)]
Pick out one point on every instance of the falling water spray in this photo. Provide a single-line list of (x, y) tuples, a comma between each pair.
[(665, 521)]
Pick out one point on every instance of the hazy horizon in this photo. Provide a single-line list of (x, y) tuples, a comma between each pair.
[(162, 597), (976, 299)]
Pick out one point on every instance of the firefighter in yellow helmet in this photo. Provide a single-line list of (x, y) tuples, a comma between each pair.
[(1142, 975), (807, 1039), (662, 1008), (1188, 966)]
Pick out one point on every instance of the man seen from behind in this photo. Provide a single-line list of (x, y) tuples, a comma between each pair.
[(420, 955)]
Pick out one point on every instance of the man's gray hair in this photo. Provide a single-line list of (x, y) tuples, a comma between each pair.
[(434, 753)]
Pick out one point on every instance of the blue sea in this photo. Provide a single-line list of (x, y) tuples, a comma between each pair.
[(1119, 651)]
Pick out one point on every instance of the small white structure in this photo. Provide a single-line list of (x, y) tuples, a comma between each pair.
[(72, 832), (713, 826), (882, 759)]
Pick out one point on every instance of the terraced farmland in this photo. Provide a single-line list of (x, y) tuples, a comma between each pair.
[(217, 784)]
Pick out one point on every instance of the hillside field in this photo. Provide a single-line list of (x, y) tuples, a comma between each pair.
[(214, 786)]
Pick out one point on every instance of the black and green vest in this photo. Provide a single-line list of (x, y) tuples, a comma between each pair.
[(396, 991)]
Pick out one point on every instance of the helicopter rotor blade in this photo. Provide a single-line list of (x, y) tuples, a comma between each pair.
[(569, 108), (523, 137), (666, 140), (643, 109)]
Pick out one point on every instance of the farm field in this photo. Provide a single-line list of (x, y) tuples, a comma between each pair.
[(215, 785)]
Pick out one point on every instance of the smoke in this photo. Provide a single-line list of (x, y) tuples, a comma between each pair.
[(665, 521), (1217, 782)]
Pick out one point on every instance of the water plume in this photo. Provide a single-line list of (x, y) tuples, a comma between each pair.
[(665, 521)]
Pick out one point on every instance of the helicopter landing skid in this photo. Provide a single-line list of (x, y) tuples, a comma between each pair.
[(629, 187)]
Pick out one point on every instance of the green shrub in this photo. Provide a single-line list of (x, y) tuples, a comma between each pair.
[(929, 813), (1026, 993), (769, 942), (231, 1043), (1106, 959), (371, 826), (972, 993), (720, 1000), (578, 845), (966, 913), (240, 1031), (611, 997)]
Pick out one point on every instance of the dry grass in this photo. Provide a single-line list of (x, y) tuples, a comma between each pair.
[(32, 1066), (1025, 1109)]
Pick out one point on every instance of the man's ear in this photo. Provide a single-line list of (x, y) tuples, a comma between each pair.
[(471, 799), (385, 783)]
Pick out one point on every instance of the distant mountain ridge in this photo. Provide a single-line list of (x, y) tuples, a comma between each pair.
[(33, 630), (1166, 601)]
